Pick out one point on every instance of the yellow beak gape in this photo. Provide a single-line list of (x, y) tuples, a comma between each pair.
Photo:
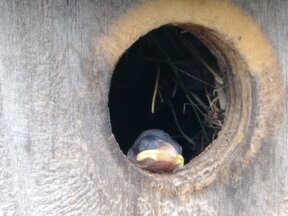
[(156, 154), (180, 161), (152, 154)]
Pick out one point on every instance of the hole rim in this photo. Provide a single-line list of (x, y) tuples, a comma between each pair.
[(250, 42), (199, 171)]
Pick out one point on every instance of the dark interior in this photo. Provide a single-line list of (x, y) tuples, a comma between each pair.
[(181, 66)]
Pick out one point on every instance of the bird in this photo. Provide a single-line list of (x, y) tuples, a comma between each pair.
[(154, 150)]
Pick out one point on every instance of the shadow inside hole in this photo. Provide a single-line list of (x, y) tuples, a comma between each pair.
[(168, 80)]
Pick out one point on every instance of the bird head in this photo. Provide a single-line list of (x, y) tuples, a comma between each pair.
[(156, 151)]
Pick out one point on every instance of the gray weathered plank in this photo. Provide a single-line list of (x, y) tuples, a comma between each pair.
[(57, 157)]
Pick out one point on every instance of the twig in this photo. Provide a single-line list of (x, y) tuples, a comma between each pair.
[(191, 76), (174, 90), (177, 123), (155, 91), (198, 118)]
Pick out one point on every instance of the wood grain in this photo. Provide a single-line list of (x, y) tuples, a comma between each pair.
[(57, 155)]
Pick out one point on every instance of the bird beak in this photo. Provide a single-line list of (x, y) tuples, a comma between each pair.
[(180, 161), (161, 155)]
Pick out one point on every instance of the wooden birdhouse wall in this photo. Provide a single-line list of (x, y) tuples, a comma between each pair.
[(58, 155)]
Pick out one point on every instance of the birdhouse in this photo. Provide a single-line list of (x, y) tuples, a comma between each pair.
[(135, 107)]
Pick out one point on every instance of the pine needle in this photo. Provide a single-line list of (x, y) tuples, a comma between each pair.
[(155, 91)]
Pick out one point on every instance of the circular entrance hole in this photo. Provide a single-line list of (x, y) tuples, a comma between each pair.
[(169, 80)]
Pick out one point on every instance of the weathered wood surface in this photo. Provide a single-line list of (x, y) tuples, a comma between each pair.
[(55, 157)]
